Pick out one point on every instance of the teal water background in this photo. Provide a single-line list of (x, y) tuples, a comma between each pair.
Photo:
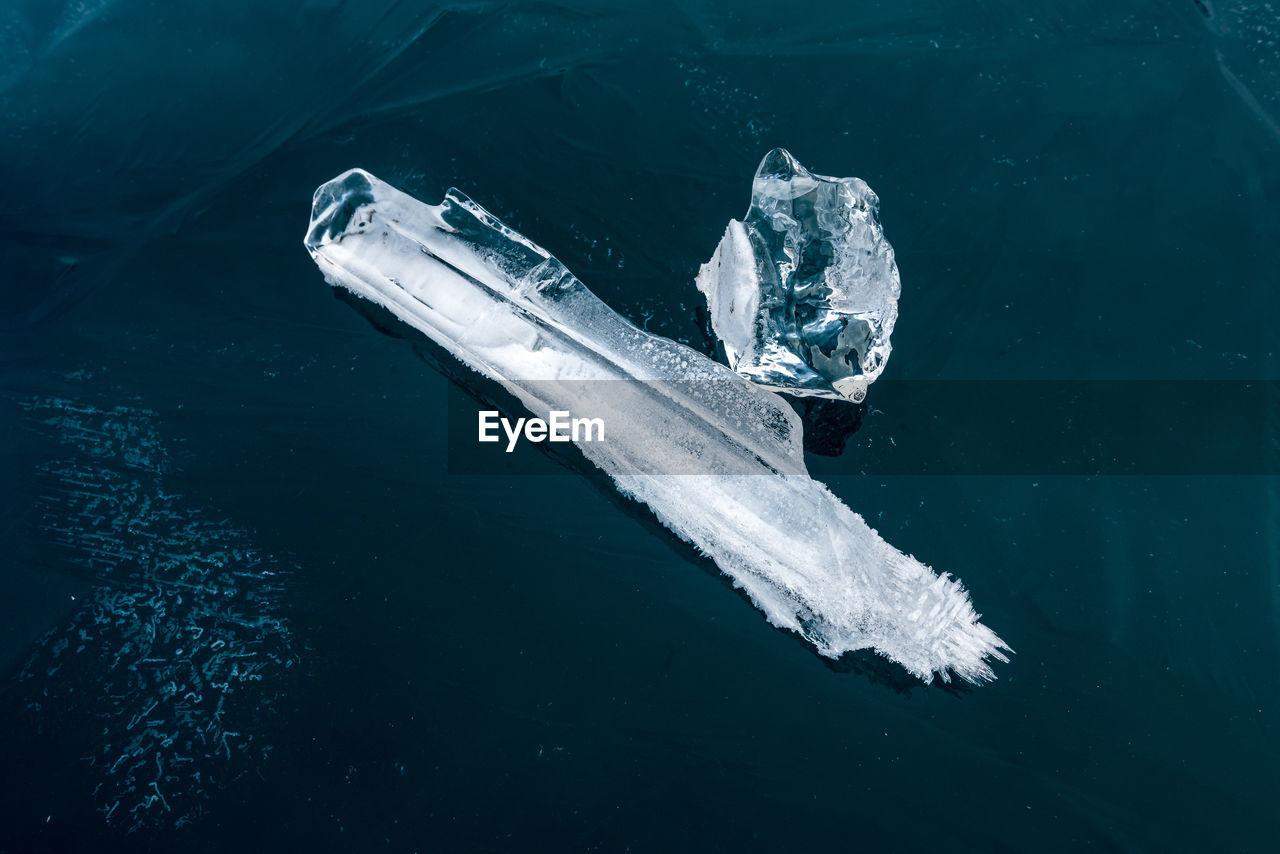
[(1075, 191)]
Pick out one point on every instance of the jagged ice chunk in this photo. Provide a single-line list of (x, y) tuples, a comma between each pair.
[(803, 291)]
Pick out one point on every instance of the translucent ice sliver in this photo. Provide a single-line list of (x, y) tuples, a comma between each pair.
[(803, 291), (506, 308)]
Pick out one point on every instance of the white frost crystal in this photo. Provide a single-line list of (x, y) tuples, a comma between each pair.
[(715, 457), (803, 292)]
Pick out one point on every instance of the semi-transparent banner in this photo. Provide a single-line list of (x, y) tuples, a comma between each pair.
[(906, 427)]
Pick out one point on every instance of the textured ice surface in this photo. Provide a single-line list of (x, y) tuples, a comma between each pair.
[(508, 309), (804, 290), (1245, 36), (181, 649)]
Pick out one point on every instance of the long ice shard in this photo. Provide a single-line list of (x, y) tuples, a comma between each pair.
[(803, 292), (716, 458)]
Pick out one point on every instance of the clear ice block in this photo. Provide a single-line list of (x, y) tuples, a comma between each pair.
[(803, 291)]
